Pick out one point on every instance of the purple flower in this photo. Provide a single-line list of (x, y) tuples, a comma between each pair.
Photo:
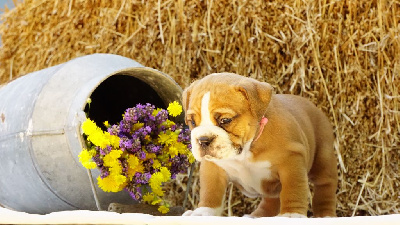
[(125, 126), (179, 164), (173, 127), (152, 148), (104, 172), (136, 144), (184, 136), (99, 162), (125, 165), (104, 151), (147, 129), (161, 116), (125, 144), (143, 132), (131, 115), (142, 178), (147, 176), (113, 130), (141, 155), (135, 193)]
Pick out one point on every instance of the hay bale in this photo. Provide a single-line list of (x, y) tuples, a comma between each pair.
[(342, 55)]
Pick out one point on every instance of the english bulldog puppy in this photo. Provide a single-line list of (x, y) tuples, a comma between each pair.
[(269, 145)]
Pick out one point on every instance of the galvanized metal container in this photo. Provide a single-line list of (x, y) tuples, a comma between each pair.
[(40, 136)]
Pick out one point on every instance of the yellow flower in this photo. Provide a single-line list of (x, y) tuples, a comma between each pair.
[(148, 197), (111, 159), (163, 209), (115, 153), (174, 109), (112, 183), (89, 165), (116, 168), (173, 151), (114, 140), (156, 111), (157, 179), (92, 152), (133, 161), (135, 166), (89, 127), (151, 198), (150, 156), (166, 174), (168, 137), (173, 137), (137, 126), (85, 157), (168, 123), (177, 147), (97, 136), (156, 164), (190, 157), (106, 124), (119, 179), (156, 201), (182, 148), (155, 183), (163, 138)]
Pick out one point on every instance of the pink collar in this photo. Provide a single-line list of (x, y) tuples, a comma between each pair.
[(263, 122)]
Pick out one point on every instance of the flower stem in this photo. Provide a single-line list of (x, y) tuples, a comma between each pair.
[(96, 199)]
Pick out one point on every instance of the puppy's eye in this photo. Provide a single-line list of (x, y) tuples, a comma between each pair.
[(191, 123), (225, 121)]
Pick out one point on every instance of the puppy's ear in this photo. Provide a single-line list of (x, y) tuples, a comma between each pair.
[(258, 94), (186, 97)]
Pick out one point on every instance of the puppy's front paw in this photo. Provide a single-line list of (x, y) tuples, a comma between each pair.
[(292, 215), (249, 216), (202, 211)]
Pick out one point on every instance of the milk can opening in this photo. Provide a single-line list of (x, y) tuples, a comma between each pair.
[(117, 93)]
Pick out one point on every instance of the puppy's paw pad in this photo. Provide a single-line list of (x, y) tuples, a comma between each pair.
[(202, 211), (292, 215)]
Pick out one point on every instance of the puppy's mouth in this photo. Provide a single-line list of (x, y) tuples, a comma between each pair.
[(209, 153), (213, 142), (206, 152), (209, 157)]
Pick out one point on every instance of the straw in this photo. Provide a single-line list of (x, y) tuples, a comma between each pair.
[(342, 55)]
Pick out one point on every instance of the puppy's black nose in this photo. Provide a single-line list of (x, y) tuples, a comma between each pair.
[(205, 141)]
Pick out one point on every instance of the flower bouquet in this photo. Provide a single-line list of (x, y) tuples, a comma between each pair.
[(140, 153)]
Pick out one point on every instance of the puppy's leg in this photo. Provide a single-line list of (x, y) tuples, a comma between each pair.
[(268, 207), (213, 183), (324, 176), (294, 193)]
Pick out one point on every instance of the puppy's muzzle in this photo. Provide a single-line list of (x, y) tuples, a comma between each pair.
[(205, 141)]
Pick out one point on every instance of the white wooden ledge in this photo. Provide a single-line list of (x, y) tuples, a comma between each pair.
[(96, 217)]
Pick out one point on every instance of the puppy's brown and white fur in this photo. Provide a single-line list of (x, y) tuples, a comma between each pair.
[(224, 112)]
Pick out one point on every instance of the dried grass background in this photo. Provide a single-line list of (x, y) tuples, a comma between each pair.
[(344, 55)]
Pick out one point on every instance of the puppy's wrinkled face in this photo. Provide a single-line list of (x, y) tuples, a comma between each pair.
[(223, 111), (220, 121)]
